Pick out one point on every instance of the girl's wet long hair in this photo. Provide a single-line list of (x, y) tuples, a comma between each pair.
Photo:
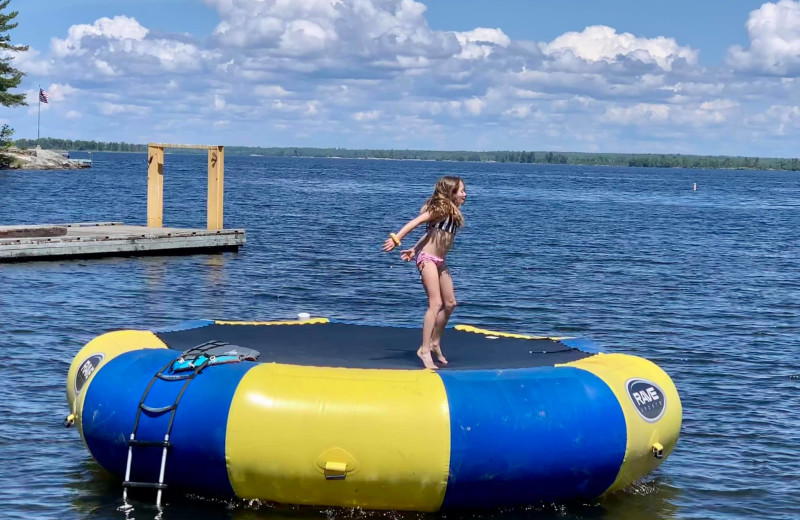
[(441, 204)]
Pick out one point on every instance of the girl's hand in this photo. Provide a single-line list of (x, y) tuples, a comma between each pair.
[(388, 245), (408, 254)]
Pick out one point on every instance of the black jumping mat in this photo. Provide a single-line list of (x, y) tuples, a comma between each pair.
[(364, 346)]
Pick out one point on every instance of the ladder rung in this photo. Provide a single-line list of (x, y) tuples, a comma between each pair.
[(157, 410), (151, 485), (136, 442)]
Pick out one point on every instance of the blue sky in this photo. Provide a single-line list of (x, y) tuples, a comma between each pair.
[(702, 76)]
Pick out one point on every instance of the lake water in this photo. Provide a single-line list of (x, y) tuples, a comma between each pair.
[(704, 283)]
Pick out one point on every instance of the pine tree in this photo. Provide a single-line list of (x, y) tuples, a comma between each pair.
[(9, 76)]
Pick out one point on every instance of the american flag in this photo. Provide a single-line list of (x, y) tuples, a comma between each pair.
[(43, 96)]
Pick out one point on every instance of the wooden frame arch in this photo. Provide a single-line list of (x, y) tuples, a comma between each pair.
[(155, 183)]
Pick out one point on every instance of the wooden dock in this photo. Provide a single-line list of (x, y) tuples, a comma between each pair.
[(95, 239), (58, 241)]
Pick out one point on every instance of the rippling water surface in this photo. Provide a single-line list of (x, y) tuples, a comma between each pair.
[(704, 283)]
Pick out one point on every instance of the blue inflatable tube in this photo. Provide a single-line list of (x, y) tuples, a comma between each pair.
[(333, 414)]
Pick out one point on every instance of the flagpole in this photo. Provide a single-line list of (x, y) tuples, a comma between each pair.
[(39, 121)]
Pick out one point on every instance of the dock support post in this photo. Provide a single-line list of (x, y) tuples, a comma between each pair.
[(216, 168), (155, 186), (155, 183)]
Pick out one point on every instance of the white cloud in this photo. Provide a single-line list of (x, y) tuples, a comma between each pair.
[(774, 32), (573, 104), (639, 114), (519, 111), (119, 46), (371, 115), (782, 120), (777, 120), (435, 108), (602, 43), (373, 30), (521, 93), (109, 109), (307, 108), (701, 115), (303, 37), (365, 73), (480, 42), (117, 28), (784, 114), (270, 91), (31, 62), (104, 68), (312, 108), (718, 104), (475, 105)]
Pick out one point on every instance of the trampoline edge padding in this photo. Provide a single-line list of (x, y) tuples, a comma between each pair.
[(377, 438)]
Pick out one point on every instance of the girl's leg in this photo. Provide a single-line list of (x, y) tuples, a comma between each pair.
[(430, 281), (448, 304)]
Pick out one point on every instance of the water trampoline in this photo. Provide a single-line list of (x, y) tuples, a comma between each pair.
[(324, 413)]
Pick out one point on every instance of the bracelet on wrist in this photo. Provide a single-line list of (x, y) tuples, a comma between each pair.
[(394, 239)]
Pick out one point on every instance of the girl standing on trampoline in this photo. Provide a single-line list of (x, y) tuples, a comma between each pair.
[(443, 216)]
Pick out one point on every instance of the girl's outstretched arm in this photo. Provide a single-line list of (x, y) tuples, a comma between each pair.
[(394, 239)]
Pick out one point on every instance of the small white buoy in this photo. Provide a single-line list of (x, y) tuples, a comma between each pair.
[(303, 316), (695, 187)]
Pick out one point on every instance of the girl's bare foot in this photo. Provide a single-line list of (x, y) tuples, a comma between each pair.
[(437, 349), (426, 358)]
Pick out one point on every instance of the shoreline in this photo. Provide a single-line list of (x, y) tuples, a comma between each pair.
[(38, 159), (238, 153)]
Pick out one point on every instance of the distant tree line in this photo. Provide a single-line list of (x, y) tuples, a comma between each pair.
[(576, 158), (48, 143)]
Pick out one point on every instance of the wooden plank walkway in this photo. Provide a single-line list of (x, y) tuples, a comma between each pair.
[(95, 239)]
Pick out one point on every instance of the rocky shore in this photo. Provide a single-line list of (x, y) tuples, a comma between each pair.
[(38, 159)]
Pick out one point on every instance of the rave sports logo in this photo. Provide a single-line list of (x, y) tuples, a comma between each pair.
[(86, 370), (648, 398)]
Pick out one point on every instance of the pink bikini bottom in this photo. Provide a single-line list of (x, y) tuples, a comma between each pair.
[(424, 257)]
